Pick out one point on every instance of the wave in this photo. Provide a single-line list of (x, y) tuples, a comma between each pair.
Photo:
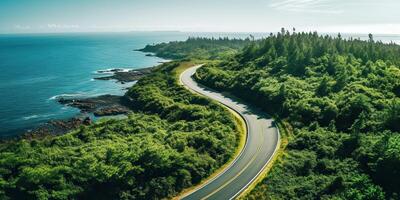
[(37, 116), (164, 61), (93, 93), (112, 70), (30, 117), (65, 108), (66, 95)]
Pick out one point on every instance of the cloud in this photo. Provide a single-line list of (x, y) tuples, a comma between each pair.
[(309, 6), (386, 28), (22, 27), (62, 26)]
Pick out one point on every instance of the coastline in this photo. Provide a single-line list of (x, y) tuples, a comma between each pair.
[(91, 108)]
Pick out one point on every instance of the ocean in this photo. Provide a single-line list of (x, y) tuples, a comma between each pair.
[(38, 68)]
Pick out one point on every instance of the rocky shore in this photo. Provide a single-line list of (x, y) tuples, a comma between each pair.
[(99, 106), (57, 127), (123, 76), (104, 105)]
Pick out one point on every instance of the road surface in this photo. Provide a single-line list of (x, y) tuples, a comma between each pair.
[(261, 144)]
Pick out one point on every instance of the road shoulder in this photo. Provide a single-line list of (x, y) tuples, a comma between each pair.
[(241, 127)]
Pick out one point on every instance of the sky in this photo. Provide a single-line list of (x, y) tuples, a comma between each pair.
[(345, 16)]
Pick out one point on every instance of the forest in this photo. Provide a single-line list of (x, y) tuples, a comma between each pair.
[(172, 140), (340, 96), (198, 48), (342, 99)]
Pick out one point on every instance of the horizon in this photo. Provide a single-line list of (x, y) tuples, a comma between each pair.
[(379, 37), (255, 16), (210, 99), (205, 32)]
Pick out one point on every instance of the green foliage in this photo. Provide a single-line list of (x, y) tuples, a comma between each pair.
[(337, 94), (200, 48), (380, 156), (172, 142), (392, 116)]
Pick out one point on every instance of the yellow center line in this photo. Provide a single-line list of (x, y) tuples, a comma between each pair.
[(241, 171), (238, 174)]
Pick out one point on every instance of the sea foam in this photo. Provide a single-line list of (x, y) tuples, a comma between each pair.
[(37, 116), (65, 95), (112, 70)]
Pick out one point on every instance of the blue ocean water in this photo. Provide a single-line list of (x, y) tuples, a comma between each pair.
[(37, 68)]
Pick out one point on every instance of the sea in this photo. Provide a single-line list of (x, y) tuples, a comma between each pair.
[(37, 69)]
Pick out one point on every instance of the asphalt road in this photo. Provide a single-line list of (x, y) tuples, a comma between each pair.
[(261, 144)]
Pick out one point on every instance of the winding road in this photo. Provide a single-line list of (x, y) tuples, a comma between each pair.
[(261, 144)]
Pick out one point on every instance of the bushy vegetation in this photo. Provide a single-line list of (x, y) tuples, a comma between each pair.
[(172, 141), (343, 99), (199, 48)]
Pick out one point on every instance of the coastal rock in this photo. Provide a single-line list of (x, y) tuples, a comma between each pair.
[(84, 105), (92, 104), (111, 70), (111, 111), (87, 121), (104, 105), (126, 76), (56, 127)]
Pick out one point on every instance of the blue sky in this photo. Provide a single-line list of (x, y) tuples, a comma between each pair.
[(346, 16)]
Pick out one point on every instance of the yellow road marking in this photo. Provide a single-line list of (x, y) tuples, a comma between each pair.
[(238, 174), (241, 171)]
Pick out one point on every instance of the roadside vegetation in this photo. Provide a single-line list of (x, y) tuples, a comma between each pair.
[(341, 96), (171, 141)]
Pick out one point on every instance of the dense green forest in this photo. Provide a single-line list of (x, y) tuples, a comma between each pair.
[(198, 48), (342, 97), (173, 140)]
